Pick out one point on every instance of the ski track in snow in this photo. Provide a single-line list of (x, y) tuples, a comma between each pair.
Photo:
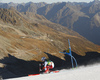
[(91, 72)]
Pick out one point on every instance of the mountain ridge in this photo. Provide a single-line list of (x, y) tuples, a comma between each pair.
[(38, 38)]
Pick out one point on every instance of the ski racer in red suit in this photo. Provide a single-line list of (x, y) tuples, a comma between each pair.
[(47, 65)]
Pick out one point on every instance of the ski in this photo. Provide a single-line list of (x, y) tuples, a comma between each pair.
[(33, 74), (54, 71), (44, 73)]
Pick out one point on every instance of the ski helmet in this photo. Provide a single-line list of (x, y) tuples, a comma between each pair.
[(43, 58)]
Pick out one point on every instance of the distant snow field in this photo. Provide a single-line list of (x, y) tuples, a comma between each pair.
[(91, 72)]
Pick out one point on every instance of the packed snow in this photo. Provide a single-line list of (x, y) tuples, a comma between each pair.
[(91, 72)]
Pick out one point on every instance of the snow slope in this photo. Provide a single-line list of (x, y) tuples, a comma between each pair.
[(81, 73)]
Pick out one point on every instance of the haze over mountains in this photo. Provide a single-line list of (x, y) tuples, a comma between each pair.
[(27, 36), (80, 17), (83, 18)]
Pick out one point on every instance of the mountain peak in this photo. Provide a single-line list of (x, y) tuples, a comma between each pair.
[(96, 1)]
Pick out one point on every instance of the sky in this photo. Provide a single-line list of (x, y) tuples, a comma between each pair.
[(91, 72), (47, 1)]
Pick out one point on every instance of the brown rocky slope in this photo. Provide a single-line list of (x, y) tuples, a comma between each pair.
[(29, 41)]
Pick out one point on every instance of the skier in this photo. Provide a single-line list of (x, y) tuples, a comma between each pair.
[(47, 65)]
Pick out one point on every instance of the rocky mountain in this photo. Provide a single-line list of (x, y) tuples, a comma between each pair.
[(80, 17), (26, 40), (23, 7)]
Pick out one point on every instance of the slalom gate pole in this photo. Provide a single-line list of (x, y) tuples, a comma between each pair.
[(70, 54)]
